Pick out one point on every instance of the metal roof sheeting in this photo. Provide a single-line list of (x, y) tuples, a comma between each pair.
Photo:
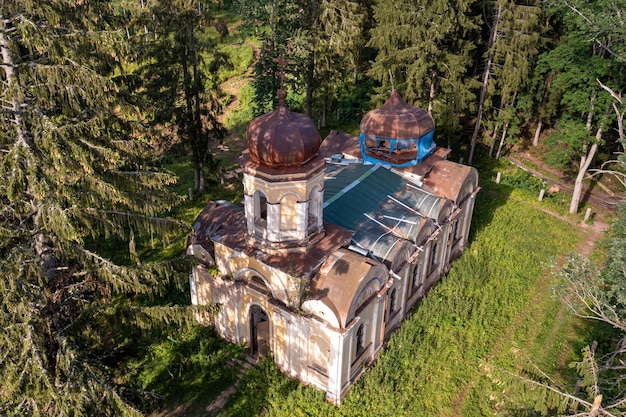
[(386, 212)]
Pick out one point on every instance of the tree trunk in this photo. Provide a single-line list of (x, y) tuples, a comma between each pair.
[(494, 135), (502, 138), (8, 64), (585, 161), (506, 127), (357, 59), (493, 140), (483, 89), (592, 107), (310, 73), (201, 186), (537, 132), (198, 177), (431, 96)]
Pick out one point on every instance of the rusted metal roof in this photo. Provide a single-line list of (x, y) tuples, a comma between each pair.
[(282, 138), (341, 280), (397, 119), (340, 143), (224, 223), (447, 178)]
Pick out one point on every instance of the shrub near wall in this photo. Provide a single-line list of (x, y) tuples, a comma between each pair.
[(485, 308)]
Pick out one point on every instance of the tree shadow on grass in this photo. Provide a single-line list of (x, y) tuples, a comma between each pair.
[(491, 196), (189, 371)]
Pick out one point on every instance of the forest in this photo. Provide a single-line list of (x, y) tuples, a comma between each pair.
[(122, 119)]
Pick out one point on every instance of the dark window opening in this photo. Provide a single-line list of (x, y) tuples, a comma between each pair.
[(258, 284), (433, 257), (262, 207), (393, 302), (416, 276), (360, 340)]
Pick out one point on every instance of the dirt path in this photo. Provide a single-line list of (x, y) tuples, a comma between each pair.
[(232, 87), (598, 197)]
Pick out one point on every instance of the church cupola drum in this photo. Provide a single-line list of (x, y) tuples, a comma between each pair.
[(397, 133), (283, 180)]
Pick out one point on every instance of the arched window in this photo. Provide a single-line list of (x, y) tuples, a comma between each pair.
[(262, 207), (259, 204), (393, 302), (434, 255), (457, 230), (416, 276), (360, 340)]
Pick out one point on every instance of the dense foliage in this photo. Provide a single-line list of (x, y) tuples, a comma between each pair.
[(72, 175), (515, 72), (178, 73)]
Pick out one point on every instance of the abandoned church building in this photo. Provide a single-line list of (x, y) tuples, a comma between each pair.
[(335, 242)]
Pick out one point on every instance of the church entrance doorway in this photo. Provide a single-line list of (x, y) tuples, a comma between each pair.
[(259, 331)]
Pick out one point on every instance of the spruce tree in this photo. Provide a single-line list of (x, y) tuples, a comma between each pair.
[(179, 69), (515, 57), (511, 52), (71, 175), (427, 49), (285, 29), (318, 39), (339, 48)]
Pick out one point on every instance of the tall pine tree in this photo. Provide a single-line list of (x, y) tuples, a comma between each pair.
[(319, 40), (71, 174)]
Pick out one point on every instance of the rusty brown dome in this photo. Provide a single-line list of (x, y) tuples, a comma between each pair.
[(283, 138), (397, 119)]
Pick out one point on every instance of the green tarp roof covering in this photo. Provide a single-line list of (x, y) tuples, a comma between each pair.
[(355, 189), (380, 206)]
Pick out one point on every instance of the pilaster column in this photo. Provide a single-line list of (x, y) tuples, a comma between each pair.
[(303, 219), (273, 222), (248, 203)]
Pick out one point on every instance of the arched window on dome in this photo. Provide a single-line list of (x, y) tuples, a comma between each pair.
[(260, 209)]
